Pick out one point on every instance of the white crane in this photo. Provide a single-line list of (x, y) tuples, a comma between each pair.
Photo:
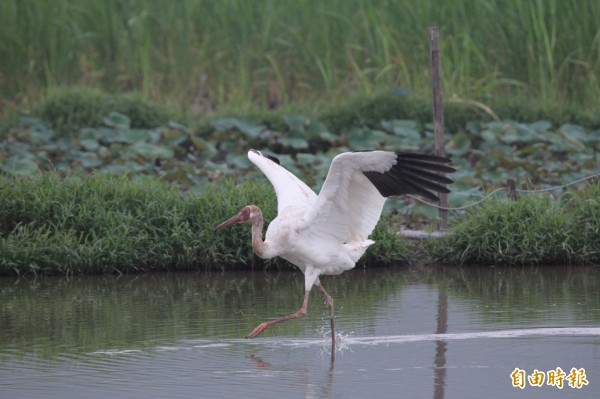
[(327, 234)]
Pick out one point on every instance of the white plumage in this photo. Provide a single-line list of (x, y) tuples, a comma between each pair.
[(327, 234), (330, 231)]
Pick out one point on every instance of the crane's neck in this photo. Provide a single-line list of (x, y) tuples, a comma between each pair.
[(260, 247)]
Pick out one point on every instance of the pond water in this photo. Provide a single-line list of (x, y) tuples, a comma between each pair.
[(401, 332)]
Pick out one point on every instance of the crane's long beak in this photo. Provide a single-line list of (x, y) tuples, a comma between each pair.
[(233, 220)]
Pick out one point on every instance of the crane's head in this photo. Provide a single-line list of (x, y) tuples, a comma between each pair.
[(249, 213)]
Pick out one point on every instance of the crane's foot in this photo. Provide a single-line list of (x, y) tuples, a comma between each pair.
[(259, 329), (262, 326)]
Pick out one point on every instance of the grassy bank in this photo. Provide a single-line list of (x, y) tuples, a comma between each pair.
[(104, 224), (206, 56), (532, 230)]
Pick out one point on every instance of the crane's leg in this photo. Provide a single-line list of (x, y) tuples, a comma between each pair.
[(329, 302), (301, 312)]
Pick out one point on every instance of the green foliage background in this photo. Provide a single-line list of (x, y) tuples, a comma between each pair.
[(131, 119), (204, 55)]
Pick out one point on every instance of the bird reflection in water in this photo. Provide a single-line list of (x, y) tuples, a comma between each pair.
[(307, 382)]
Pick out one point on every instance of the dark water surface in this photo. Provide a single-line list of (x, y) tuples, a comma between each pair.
[(402, 333)]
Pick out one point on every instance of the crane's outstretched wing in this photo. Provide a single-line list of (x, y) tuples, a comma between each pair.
[(358, 183), (289, 189)]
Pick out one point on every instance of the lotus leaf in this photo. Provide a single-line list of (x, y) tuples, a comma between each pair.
[(151, 151), (135, 135), (20, 166), (89, 161), (403, 128), (541, 126), (293, 142), (206, 148), (246, 127), (90, 144), (117, 121), (297, 124), (459, 144), (239, 161), (178, 126), (576, 136), (488, 135), (363, 138), (318, 129)]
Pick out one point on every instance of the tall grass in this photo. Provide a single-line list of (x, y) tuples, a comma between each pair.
[(209, 54)]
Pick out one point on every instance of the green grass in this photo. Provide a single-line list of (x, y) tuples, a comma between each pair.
[(103, 224), (531, 230), (204, 55)]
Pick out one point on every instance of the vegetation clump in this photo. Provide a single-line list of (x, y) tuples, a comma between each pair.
[(532, 230), (69, 109)]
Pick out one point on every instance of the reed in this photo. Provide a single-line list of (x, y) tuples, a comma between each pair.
[(206, 55)]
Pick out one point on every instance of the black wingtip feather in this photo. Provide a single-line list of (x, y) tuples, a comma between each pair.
[(271, 157), (413, 173), (423, 157)]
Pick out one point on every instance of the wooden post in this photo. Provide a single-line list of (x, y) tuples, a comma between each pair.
[(438, 113), (512, 190)]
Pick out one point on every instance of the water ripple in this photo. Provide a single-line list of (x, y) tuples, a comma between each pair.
[(347, 340), (560, 331)]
